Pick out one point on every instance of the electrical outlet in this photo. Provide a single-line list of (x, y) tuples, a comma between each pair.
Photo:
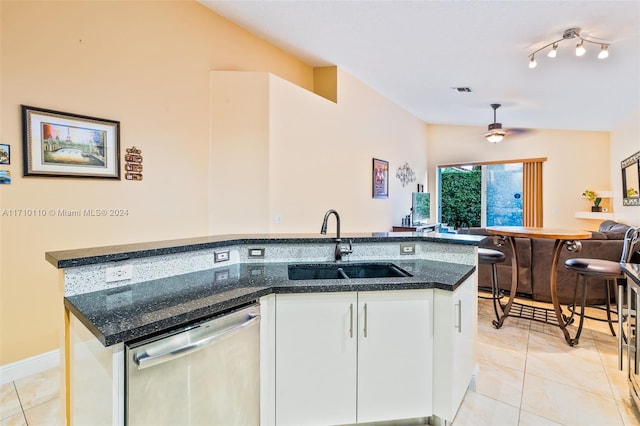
[(221, 256), (407, 248), (119, 273), (256, 253)]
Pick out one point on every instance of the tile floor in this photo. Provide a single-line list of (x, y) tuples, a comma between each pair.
[(528, 376)]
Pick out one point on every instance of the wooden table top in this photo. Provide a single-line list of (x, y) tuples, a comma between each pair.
[(550, 233)]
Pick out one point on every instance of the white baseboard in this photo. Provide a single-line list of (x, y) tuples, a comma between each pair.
[(29, 366)]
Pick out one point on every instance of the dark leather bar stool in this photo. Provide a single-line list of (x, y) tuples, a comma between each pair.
[(610, 272), (492, 257)]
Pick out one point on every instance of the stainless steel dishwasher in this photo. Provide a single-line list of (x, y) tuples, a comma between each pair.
[(206, 374)]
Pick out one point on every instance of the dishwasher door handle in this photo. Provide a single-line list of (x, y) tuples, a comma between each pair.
[(145, 360)]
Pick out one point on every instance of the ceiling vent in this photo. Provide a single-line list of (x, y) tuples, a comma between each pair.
[(462, 89)]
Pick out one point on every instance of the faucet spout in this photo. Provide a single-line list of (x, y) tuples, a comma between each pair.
[(340, 251), (323, 230)]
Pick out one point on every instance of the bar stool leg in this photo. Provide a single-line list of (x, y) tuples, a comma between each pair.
[(608, 304), (621, 335), (582, 307), (495, 291), (572, 307)]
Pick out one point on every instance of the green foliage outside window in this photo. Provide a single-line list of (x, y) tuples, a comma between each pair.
[(461, 197)]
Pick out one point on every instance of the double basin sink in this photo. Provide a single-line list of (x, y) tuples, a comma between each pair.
[(336, 271)]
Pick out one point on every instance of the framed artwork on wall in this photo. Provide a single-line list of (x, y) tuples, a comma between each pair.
[(69, 145), (5, 154), (380, 178), (631, 180)]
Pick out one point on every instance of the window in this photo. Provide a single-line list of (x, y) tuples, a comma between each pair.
[(505, 193), (502, 184)]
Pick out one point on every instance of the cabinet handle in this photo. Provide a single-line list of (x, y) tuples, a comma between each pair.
[(351, 320), (365, 320), (459, 325)]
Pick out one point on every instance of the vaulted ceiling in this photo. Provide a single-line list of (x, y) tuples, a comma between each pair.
[(416, 52)]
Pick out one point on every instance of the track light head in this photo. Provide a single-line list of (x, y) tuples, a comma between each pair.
[(532, 62), (554, 51), (604, 52), (580, 50)]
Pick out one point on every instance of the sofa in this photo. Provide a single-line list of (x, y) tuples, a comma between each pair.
[(535, 256)]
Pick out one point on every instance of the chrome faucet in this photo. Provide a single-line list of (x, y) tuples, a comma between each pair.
[(340, 251)]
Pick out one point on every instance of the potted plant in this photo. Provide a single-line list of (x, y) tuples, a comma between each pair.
[(593, 197)]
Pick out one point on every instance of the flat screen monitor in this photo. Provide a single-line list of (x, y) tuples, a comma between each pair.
[(421, 207)]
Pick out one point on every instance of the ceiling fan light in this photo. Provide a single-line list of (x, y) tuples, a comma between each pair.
[(532, 62), (580, 50), (554, 51), (604, 52), (495, 136)]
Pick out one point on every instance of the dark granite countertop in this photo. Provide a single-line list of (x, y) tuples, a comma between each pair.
[(94, 255), (135, 311)]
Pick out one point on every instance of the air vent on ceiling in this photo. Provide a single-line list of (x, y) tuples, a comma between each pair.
[(462, 89)]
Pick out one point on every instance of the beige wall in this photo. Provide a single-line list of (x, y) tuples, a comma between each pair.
[(321, 157), (576, 160), (145, 64), (294, 155)]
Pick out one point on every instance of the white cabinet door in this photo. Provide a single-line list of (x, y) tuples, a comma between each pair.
[(395, 362), (455, 331), (316, 354)]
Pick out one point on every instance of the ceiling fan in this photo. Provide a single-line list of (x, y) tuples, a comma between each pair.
[(495, 131)]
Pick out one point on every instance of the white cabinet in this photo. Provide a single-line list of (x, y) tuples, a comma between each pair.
[(316, 358), (395, 363), (353, 357), (96, 378), (455, 335)]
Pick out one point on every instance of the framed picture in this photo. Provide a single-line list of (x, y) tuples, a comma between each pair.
[(380, 178), (5, 177), (5, 154), (69, 145)]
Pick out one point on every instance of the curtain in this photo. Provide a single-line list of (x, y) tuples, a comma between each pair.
[(532, 193)]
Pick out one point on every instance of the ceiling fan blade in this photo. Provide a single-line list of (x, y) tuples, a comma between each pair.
[(519, 132)]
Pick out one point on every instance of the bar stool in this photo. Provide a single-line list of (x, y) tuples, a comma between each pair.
[(609, 271), (492, 257)]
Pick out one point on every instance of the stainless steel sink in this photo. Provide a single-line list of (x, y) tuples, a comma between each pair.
[(332, 271)]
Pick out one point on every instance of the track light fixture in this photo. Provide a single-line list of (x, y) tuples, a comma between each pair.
[(571, 33)]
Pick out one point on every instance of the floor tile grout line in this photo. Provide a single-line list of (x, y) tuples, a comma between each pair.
[(24, 416), (524, 374)]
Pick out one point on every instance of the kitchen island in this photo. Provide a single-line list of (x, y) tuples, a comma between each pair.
[(166, 285)]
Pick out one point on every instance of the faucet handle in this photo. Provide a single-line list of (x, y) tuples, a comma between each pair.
[(349, 250)]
